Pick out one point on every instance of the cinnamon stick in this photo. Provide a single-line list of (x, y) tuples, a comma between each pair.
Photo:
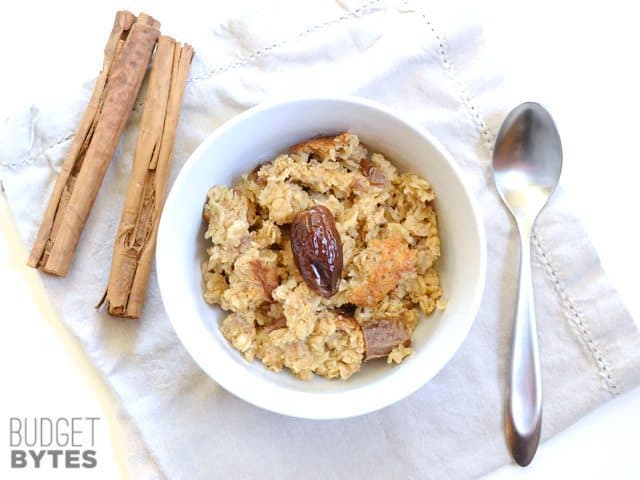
[(126, 57), (136, 238)]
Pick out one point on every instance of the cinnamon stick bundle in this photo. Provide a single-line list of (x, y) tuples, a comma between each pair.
[(126, 57), (136, 238)]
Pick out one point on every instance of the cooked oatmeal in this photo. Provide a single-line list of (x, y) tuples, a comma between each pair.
[(378, 273)]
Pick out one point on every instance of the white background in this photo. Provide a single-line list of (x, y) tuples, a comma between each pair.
[(579, 60)]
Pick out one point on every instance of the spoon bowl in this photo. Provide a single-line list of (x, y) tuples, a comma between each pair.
[(527, 160)]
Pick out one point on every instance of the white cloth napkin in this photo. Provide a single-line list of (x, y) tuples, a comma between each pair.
[(429, 65)]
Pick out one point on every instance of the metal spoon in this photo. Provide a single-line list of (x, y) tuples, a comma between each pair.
[(527, 161)]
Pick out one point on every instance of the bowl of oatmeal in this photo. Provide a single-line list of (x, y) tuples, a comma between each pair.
[(321, 257)]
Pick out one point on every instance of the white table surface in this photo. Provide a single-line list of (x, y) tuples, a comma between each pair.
[(579, 61)]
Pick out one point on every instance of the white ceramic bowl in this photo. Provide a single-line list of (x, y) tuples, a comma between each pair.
[(256, 136)]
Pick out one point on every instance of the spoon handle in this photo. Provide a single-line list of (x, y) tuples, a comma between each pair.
[(524, 409)]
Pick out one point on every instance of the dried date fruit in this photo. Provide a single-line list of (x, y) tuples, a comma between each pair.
[(372, 172), (382, 336), (317, 249)]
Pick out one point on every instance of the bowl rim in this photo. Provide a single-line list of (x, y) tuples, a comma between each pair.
[(303, 404)]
